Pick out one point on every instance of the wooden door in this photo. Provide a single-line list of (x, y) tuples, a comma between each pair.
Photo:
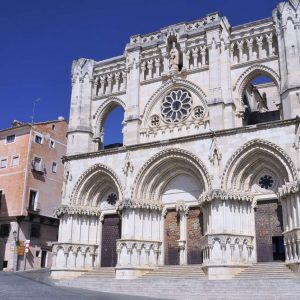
[(111, 231)]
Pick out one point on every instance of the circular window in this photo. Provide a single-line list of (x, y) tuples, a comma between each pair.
[(266, 182), (198, 112), (176, 106), (112, 199), (154, 120)]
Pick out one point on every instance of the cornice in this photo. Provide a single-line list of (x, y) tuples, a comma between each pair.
[(200, 136)]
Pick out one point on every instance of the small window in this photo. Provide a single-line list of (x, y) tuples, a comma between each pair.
[(4, 230), (5, 263), (10, 139), (51, 144), (53, 126), (3, 163), (32, 200), (54, 167), (15, 161), (37, 163), (35, 231), (38, 139)]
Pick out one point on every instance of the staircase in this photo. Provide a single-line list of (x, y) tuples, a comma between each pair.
[(189, 271), (272, 270), (100, 273)]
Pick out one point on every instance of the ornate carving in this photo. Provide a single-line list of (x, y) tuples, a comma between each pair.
[(215, 153), (125, 204), (77, 210), (128, 166), (225, 195)]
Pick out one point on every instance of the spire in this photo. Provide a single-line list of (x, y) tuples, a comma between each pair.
[(294, 3)]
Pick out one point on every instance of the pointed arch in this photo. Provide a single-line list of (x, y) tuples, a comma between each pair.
[(103, 111), (250, 74), (251, 159), (158, 171), (93, 184)]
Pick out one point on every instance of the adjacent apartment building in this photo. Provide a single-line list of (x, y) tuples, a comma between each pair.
[(31, 178)]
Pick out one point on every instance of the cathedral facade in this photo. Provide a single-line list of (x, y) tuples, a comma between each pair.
[(209, 169)]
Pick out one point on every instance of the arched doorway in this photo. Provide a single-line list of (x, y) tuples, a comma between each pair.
[(183, 224)]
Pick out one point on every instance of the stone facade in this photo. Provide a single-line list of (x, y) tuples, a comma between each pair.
[(203, 147)]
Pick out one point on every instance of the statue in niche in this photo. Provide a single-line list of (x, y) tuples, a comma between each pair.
[(174, 58)]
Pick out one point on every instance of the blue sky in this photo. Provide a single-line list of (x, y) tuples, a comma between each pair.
[(40, 38)]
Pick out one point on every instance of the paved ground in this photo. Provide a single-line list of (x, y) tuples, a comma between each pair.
[(14, 286)]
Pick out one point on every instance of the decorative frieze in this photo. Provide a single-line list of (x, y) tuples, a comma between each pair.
[(229, 195), (77, 210)]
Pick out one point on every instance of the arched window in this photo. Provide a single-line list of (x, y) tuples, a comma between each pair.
[(112, 129), (261, 100)]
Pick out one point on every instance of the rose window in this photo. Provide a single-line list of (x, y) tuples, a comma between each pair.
[(266, 182), (112, 199), (176, 106)]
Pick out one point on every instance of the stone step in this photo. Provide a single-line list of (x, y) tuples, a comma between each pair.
[(100, 272), (189, 271), (266, 270)]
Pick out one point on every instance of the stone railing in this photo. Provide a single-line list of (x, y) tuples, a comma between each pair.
[(253, 48), (226, 249), (138, 253), (74, 256)]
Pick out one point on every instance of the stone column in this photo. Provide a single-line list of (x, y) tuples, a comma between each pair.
[(182, 242), (289, 196), (227, 243)]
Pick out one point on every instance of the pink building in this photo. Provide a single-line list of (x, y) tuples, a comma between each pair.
[(31, 179)]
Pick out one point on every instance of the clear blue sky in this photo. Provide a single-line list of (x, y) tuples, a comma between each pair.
[(40, 38)]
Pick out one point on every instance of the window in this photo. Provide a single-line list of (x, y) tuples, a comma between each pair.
[(32, 200), (37, 164), (10, 139), (53, 126), (15, 161), (35, 230), (38, 139), (54, 167), (4, 230), (3, 163), (51, 144), (1, 196)]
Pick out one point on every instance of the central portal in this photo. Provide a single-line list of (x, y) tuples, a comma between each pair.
[(111, 231)]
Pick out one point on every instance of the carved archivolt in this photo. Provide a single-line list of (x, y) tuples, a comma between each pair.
[(170, 85), (250, 158), (93, 176), (104, 109), (250, 74), (157, 171)]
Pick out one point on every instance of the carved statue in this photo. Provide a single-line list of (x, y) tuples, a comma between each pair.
[(174, 58)]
